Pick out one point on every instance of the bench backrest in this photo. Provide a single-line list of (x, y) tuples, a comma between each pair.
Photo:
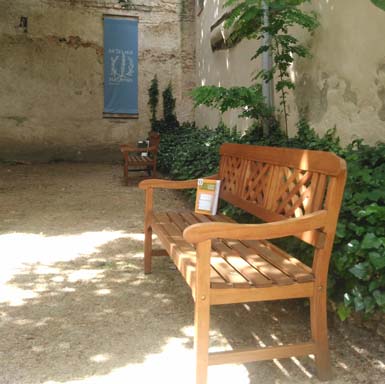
[(275, 183), (154, 138)]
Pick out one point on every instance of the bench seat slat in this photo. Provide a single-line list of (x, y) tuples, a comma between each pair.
[(178, 220), (225, 269), (287, 256), (139, 159), (231, 274), (286, 263), (246, 274), (182, 253), (269, 271), (234, 264), (242, 266), (192, 218)]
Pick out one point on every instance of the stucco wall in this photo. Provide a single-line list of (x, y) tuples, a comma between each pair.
[(342, 85), (51, 99), (226, 68)]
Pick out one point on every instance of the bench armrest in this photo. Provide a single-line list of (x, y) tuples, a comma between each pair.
[(130, 149), (197, 233), (171, 184)]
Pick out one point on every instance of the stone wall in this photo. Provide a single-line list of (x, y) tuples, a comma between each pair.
[(51, 76), (342, 85)]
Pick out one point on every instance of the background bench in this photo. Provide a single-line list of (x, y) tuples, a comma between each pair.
[(296, 193), (134, 161)]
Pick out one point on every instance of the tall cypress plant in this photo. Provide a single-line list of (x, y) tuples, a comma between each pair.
[(153, 100), (169, 115)]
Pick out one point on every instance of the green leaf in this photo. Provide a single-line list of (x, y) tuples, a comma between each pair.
[(359, 304), (371, 241), (353, 246), (343, 312), (379, 4), (358, 230), (369, 304), (341, 230), (361, 270), (379, 297), (377, 260), (374, 285), (348, 300)]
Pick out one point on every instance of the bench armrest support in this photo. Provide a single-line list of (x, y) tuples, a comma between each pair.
[(171, 184), (129, 149), (197, 233)]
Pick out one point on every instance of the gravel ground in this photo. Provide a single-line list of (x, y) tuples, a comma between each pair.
[(75, 306)]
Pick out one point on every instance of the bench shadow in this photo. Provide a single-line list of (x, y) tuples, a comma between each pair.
[(265, 324)]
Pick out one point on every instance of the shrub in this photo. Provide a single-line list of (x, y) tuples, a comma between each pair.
[(358, 263), (190, 152)]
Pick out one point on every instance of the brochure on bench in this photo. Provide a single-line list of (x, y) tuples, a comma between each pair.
[(207, 196)]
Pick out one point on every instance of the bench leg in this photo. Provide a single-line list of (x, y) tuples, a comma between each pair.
[(148, 231), (318, 318), (125, 165), (202, 312), (201, 340), (148, 250)]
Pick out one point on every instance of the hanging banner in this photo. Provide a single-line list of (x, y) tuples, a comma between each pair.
[(120, 67)]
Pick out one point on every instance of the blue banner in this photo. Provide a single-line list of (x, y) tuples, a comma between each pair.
[(120, 65)]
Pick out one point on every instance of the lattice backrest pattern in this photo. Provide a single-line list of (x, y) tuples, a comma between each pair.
[(255, 182), (294, 192), (276, 182), (231, 169)]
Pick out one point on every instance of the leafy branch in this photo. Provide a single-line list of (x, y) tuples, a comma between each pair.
[(249, 99), (246, 21)]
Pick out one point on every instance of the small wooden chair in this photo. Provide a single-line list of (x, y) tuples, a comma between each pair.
[(133, 159)]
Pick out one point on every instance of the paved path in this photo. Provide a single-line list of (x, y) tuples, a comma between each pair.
[(75, 306)]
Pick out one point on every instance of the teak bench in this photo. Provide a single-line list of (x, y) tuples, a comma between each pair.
[(296, 193)]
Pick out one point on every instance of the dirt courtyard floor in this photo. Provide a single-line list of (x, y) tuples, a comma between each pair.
[(75, 306)]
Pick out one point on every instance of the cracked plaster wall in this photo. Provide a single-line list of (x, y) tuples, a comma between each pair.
[(51, 99), (342, 85)]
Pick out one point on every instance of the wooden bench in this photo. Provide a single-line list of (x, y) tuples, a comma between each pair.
[(134, 161), (295, 192)]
